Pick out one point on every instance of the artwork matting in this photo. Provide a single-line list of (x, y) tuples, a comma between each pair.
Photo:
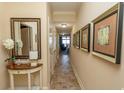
[(85, 38), (107, 34), (76, 39)]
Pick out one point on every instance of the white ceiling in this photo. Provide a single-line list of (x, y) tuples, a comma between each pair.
[(64, 12), (64, 30), (65, 6)]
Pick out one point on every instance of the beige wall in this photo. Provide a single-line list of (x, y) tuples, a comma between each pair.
[(52, 49), (94, 72), (50, 42), (3, 54), (28, 10)]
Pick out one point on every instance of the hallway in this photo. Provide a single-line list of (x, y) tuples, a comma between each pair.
[(63, 77)]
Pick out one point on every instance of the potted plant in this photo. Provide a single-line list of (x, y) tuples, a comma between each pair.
[(9, 45)]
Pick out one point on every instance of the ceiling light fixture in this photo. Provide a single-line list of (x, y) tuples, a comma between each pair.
[(64, 25)]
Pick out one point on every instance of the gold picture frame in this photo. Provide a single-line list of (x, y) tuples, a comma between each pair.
[(107, 34), (85, 38)]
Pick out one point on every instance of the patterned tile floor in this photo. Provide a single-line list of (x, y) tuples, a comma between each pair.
[(64, 78)]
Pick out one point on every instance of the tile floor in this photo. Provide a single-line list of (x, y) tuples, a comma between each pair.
[(64, 78)]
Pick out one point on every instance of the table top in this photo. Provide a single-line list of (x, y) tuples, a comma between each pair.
[(23, 68)]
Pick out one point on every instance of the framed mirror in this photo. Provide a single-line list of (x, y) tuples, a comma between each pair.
[(26, 33)]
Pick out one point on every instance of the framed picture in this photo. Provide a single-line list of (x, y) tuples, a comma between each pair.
[(76, 39), (85, 38), (107, 34)]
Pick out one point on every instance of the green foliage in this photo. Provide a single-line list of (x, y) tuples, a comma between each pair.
[(12, 59)]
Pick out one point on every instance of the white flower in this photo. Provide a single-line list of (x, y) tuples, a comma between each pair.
[(8, 44)]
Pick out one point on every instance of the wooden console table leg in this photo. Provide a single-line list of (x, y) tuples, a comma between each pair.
[(12, 81), (29, 81), (41, 79)]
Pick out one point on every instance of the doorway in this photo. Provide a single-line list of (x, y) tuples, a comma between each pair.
[(64, 44)]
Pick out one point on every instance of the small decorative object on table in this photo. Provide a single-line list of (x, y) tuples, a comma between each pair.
[(9, 45), (33, 56)]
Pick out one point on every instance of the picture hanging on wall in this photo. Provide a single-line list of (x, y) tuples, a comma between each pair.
[(107, 34), (85, 38), (77, 37), (76, 40)]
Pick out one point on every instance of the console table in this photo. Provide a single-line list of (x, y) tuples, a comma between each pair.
[(28, 71)]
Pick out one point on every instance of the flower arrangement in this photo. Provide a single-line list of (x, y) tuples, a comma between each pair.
[(9, 45)]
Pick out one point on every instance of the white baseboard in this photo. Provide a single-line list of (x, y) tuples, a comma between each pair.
[(25, 88), (78, 78), (45, 88)]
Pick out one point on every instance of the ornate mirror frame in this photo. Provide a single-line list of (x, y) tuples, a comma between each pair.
[(12, 20)]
